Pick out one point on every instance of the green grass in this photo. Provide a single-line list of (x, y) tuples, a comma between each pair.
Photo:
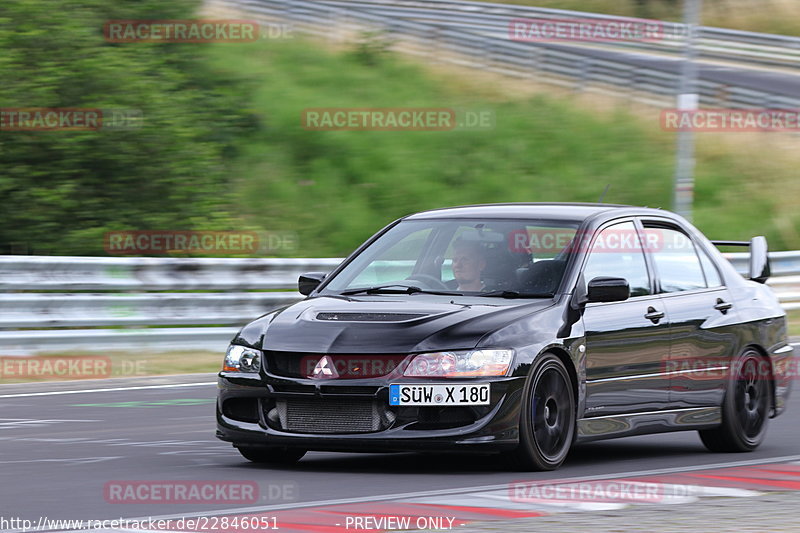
[(657, 9), (336, 188), (114, 364), (794, 323)]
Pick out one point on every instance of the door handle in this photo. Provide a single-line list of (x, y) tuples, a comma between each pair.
[(654, 315), (722, 306)]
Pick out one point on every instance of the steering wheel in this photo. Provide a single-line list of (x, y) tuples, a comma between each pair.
[(430, 281)]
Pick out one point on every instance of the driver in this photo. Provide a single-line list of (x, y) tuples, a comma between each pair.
[(468, 265)]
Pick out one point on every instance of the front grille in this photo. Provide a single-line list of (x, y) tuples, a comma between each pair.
[(369, 317), (294, 388), (338, 389), (345, 415), (348, 366)]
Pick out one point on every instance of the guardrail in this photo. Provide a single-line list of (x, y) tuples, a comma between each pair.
[(86, 304), (717, 43), (475, 35), (96, 303)]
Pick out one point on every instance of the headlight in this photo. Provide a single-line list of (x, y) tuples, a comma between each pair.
[(242, 359), (460, 364)]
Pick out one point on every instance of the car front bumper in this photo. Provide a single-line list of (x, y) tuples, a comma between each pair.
[(247, 408)]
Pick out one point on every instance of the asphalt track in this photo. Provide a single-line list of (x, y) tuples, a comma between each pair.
[(777, 81), (63, 443)]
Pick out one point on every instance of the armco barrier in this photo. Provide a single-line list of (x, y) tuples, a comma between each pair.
[(70, 304), (79, 304), (718, 43)]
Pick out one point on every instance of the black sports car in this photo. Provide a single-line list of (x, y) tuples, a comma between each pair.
[(516, 328)]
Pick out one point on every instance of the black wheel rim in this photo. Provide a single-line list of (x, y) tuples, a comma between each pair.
[(551, 410), (752, 395)]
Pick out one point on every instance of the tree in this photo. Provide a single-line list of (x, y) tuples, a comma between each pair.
[(62, 190)]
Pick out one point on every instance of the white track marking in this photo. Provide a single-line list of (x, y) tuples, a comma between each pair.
[(86, 391), (444, 492), (72, 460), (35, 423)]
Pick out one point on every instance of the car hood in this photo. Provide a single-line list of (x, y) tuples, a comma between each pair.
[(391, 324)]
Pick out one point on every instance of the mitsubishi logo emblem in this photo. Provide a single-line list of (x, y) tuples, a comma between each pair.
[(325, 369)]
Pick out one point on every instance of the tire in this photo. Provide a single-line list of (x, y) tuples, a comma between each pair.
[(745, 409), (268, 455), (547, 417)]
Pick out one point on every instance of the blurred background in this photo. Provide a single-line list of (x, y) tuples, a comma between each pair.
[(220, 145)]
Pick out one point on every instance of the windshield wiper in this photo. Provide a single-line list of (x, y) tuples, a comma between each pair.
[(513, 294), (404, 289), (395, 289)]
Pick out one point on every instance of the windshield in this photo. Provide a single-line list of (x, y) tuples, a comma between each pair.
[(483, 257)]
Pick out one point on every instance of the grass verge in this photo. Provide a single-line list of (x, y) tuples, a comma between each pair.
[(69, 366), (336, 188), (794, 323)]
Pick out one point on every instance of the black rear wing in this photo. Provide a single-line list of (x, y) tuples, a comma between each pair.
[(759, 268)]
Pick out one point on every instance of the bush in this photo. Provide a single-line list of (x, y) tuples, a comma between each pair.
[(62, 190)]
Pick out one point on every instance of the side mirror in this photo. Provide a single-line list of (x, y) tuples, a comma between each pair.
[(607, 289), (310, 281), (759, 260)]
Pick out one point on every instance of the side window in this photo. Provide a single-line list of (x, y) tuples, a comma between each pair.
[(711, 272), (617, 252), (676, 260)]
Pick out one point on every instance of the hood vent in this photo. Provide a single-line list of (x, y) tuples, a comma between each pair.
[(369, 317)]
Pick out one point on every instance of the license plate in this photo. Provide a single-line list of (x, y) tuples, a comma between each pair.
[(439, 394)]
